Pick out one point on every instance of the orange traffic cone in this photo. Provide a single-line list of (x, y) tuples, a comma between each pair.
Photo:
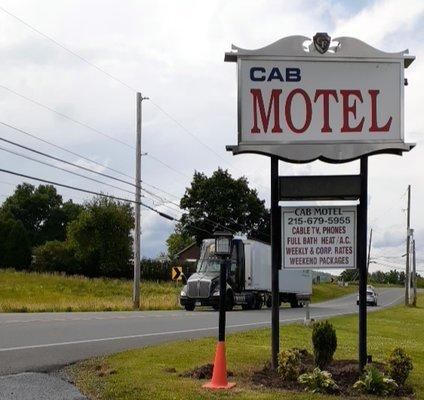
[(219, 375)]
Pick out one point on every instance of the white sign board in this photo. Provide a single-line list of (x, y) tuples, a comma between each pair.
[(334, 100), (319, 237), (310, 101)]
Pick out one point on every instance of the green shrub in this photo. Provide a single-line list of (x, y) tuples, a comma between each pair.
[(399, 365), (55, 256), (15, 245), (318, 381), (375, 382), (289, 363), (324, 341)]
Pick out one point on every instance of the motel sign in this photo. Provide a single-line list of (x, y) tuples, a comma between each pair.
[(343, 102)]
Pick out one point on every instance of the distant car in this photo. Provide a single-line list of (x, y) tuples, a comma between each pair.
[(372, 297)]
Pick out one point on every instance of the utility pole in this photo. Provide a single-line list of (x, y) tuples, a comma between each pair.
[(414, 275), (408, 245), (137, 255)]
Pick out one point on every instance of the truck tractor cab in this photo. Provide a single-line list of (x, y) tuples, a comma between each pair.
[(202, 287)]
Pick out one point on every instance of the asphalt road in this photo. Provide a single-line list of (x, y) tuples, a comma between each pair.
[(45, 341)]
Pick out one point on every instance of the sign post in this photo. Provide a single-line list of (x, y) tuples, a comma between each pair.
[(300, 100), (275, 262)]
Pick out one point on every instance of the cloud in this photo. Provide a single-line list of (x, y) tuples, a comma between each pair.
[(173, 52), (374, 23)]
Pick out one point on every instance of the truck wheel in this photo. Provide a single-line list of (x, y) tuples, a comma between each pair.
[(230, 302), (257, 304), (294, 303), (215, 307), (268, 301), (190, 306)]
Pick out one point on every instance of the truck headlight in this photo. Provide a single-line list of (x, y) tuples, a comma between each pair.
[(216, 292), (183, 293)]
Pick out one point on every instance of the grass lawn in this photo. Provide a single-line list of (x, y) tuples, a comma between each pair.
[(140, 374), (35, 292), (31, 292), (329, 291)]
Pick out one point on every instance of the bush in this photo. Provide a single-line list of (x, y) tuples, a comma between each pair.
[(318, 381), (399, 365), (101, 237), (55, 256), (15, 245), (289, 363), (154, 270), (324, 341), (375, 382)]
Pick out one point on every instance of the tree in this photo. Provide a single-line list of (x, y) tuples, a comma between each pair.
[(221, 202), (55, 256), (176, 242), (349, 275), (15, 246), (101, 238), (55, 226), (41, 211)]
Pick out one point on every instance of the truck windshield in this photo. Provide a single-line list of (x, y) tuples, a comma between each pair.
[(208, 262)]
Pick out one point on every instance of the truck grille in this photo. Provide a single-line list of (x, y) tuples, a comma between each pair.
[(199, 289)]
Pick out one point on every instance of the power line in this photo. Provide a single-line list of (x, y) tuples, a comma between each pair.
[(116, 79), (74, 165), (64, 149), (160, 213), (92, 171), (65, 162), (69, 163), (85, 125), (63, 169), (66, 48), (32, 135), (63, 47), (88, 191)]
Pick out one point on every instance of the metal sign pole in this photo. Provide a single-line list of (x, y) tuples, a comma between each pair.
[(275, 262), (222, 299), (362, 262)]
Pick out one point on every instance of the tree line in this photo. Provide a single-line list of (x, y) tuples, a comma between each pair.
[(392, 277), (39, 231)]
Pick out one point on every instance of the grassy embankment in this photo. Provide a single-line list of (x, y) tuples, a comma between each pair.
[(32, 292), (141, 374)]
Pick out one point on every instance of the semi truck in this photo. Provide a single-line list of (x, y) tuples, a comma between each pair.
[(248, 279)]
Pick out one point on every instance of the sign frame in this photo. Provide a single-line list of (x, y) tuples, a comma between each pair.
[(345, 209)]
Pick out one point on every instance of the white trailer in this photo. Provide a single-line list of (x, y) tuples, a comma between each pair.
[(293, 284), (249, 278)]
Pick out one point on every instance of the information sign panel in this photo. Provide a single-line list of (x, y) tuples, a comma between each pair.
[(319, 237)]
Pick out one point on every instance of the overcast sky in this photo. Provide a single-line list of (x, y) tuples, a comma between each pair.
[(172, 51)]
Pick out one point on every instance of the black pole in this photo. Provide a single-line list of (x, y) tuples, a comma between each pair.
[(362, 262), (222, 299), (275, 262)]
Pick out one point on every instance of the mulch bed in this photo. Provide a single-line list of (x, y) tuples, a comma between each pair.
[(344, 372)]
